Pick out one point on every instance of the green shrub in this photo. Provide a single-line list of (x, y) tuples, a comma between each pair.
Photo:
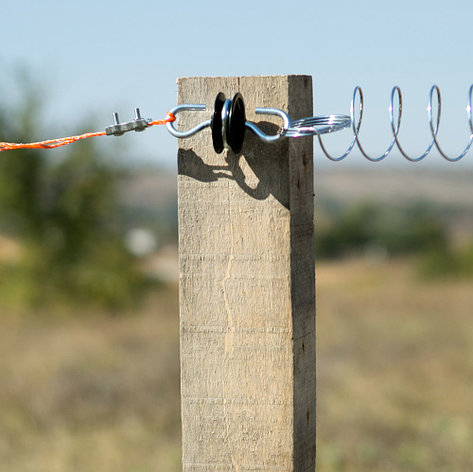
[(398, 230), (450, 262)]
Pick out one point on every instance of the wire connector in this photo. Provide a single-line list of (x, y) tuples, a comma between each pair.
[(138, 124)]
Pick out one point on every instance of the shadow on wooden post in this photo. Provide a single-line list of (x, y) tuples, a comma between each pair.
[(247, 288)]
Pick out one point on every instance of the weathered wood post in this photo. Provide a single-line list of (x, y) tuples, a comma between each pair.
[(247, 288)]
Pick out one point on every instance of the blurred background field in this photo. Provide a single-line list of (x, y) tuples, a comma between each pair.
[(89, 362), (92, 386)]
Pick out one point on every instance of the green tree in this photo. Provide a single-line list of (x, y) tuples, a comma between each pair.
[(65, 217)]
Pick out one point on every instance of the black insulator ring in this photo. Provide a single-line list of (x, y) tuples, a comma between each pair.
[(235, 132), (216, 123)]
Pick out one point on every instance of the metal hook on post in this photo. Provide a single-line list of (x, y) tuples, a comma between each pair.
[(267, 138), (228, 123), (187, 134)]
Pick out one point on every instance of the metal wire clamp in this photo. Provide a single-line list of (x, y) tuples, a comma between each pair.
[(228, 124), (138, 124)]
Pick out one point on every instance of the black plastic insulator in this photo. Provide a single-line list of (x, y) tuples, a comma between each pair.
[(216, 123), (236, 124)]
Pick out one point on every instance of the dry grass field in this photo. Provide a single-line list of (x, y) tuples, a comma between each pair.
[(395, 370), (92, 392), (97, 393)]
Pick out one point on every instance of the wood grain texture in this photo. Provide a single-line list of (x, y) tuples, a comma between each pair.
[(247, 288)]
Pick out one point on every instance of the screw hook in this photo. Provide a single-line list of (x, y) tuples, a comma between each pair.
[(266, 137), (187, 134)]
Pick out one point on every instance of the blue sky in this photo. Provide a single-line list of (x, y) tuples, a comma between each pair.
[(97, 57)]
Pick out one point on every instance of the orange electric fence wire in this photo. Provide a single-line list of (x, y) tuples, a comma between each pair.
[(54, 143), (169, 119)]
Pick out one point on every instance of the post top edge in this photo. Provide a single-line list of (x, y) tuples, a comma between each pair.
[(288, 76)]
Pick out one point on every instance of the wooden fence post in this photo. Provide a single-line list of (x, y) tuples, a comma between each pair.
[(247, 288)]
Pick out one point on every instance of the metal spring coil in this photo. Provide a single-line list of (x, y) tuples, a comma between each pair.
[(396, 124)]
